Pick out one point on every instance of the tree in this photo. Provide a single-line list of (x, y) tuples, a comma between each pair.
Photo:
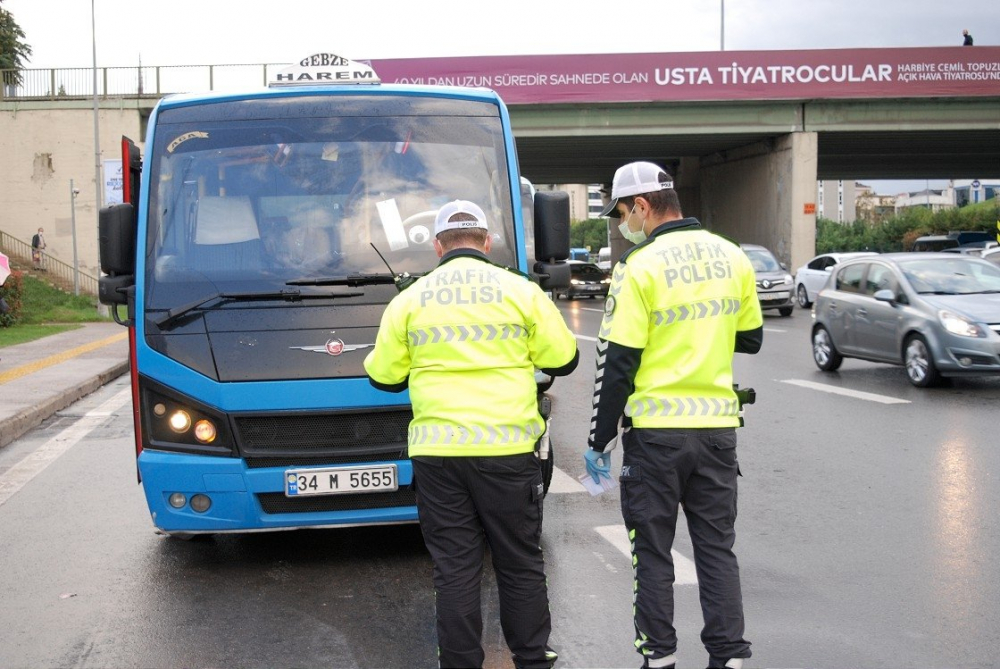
[(14, 52)]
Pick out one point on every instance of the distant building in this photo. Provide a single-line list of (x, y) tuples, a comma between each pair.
[(595, 201), (872, 207), (935, 200), (835, 200), (971, 191)]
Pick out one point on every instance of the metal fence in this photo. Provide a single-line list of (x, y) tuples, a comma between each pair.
[(21, 250), (142, 81)]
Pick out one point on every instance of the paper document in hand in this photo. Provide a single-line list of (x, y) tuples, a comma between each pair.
[(605, 485)]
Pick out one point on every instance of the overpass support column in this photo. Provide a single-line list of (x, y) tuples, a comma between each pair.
[(758, 194)]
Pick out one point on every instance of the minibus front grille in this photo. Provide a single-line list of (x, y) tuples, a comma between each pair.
[(353, 436), (277, 502)]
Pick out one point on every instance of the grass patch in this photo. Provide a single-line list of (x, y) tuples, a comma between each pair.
[(46, 310), (20, 334), (44, 304)]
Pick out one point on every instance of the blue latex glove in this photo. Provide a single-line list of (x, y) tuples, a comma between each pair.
[(598, 464)]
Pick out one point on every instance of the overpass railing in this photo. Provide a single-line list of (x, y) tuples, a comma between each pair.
[(142, 81), (21, 250)]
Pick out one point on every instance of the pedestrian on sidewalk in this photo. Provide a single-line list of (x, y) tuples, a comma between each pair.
[(37, 247)]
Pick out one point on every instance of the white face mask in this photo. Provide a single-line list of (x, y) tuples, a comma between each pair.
[(627, 233)]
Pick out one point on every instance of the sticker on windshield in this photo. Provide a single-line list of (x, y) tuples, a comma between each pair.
[(392, 224), (185, 137)]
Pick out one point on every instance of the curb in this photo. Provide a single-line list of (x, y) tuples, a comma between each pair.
[(16, 426)]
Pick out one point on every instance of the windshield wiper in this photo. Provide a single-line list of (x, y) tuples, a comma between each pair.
[(936, 292), (289, 295), (352, 280)]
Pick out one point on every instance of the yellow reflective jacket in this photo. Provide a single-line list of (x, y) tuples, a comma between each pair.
[(467, 337), (680, 298)]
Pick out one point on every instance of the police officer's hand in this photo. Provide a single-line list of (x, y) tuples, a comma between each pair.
[(598, 464)]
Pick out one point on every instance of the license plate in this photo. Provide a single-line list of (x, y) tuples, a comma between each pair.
[(591, 287), (340, 480), (777, 296)]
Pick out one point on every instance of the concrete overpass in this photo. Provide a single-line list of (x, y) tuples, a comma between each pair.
[(747, 134)]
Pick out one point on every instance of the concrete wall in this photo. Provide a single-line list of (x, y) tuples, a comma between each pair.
[(43, 147), (757, 195)]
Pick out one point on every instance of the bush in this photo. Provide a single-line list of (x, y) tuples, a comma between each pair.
[(897, 233), (592, 233), (11, 292)]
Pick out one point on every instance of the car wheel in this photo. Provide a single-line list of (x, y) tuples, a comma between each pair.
[(785, 311), (825, 354), (803, 296), (919, 363)]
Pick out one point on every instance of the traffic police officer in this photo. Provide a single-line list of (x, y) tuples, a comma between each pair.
[(466, 339), (680, 303)]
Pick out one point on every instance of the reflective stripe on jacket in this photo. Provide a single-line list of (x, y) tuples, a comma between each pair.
[(468, 337)]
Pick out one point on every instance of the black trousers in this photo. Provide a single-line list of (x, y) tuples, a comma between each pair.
[(465, 503), (695, 468)]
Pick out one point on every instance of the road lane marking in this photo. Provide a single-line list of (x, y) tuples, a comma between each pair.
[(846, 392), (600, 311), (617, 536), (37, 365), (774, 330), (564, 483), (35, 463), (585, 337)]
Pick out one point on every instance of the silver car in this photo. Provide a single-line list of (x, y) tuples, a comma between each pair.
[(774, 283), (812, 276), (938, 314)]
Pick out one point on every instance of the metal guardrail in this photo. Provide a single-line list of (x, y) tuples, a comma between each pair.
[(148, 81), (21, 250)]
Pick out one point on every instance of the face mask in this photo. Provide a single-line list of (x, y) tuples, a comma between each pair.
[(627, 233)]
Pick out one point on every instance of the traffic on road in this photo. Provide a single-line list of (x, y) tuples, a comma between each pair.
[(865, 539)]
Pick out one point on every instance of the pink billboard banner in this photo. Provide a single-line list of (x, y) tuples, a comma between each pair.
[(720, 75)]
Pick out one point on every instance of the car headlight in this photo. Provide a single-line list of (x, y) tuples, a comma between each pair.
[(575, 282), (955, 324), (788, 278)]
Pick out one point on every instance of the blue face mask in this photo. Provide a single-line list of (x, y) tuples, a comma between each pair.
[(627, 233)]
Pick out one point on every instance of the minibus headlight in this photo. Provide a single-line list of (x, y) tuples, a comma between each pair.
[(180, 421)]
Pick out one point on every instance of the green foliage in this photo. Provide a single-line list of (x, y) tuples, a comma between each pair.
[(897, 233), (33, 302), (10, 291), (14, 52), (42, 303), (592, 232)]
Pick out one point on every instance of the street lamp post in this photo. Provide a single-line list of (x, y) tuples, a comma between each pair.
[(722, 27), (73, 192)]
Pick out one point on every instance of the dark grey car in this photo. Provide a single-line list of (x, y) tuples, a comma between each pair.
[(938, 314)]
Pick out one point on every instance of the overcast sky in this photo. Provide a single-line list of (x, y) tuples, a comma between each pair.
[(208, 32)]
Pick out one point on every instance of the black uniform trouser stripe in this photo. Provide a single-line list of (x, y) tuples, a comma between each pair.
[(662, 471)]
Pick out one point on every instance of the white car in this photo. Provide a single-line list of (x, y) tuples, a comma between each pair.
[(812, 276), (993, 255)]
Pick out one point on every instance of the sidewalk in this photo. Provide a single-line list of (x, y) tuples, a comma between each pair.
[(44, 376)]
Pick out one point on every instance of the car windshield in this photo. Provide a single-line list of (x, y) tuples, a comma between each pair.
[(951, 275), (252, 203), (587, 272), (762, 260)]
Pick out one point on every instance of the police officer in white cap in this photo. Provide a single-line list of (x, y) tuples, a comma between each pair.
[(466, 339), (681, 302)]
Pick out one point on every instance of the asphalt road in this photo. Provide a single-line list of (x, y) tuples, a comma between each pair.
[(866, 538)]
